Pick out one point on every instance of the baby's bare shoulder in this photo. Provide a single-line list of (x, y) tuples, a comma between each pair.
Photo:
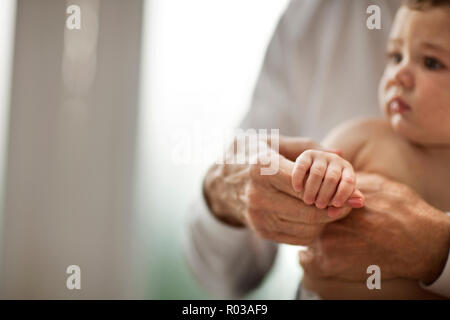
[(364, 127), (352, 135)]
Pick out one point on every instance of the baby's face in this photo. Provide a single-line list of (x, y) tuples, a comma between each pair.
[(414, 92)]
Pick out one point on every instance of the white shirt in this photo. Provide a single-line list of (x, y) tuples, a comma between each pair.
[(321, 68)]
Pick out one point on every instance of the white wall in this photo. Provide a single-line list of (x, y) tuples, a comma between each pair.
[(201, 59), (68, 193), (7, 19)]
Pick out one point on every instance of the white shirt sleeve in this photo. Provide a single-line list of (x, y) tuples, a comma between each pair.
[(308, 68), (441, 285), (227, 261)]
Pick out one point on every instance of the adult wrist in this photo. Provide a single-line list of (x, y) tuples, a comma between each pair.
[(441, 285), (210, 192), (440, 249)]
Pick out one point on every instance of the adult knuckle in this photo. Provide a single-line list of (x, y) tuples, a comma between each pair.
[(253, 198), (255, 171)]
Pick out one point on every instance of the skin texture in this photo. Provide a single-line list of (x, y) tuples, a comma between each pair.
[(240, 196), (339, 251), (389, 232), (326, 179), (415, 146)]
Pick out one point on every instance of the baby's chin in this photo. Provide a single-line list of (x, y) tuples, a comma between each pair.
[(418, 136), (406, 129)]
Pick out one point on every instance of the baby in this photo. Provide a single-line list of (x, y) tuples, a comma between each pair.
[(411, 145)]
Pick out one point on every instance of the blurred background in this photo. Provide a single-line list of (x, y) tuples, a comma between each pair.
[(92, 128)]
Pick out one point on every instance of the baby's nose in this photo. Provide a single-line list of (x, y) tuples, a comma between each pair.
[(404, 77)]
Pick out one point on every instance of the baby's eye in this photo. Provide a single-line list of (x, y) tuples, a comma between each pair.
[(433, 64), (394, 57)]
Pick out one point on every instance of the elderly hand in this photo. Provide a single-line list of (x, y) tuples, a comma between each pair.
[(396, 230), (239, 195)]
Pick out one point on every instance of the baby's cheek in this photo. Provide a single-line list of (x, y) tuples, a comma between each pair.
[(382, 94), (434, 115)]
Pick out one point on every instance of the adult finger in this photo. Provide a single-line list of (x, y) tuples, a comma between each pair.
[(303, 232), (289, 239), (292, 147), (282, 179), (291, 209)]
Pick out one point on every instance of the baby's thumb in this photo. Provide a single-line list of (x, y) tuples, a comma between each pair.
[(356, 200)]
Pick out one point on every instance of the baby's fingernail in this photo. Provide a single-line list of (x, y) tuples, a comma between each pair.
[(337, 204), (321, 205), (355, 202)]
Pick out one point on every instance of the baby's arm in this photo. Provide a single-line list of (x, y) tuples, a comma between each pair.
[(327, 179)]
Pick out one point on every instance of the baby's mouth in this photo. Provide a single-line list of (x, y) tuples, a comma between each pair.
[(397, 105)]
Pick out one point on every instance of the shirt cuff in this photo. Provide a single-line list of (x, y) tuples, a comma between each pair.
[(223, 232), (442, 285)]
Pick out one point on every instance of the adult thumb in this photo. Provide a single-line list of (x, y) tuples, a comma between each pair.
[(292, 147), (356, 200)]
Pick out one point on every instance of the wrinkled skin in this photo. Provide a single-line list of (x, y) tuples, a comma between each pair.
[(239, 195), (396, 230)]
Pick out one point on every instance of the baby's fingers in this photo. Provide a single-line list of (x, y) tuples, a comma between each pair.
[(314, 180), (345, 188), (301, 167), (356, 199), (329, 185)]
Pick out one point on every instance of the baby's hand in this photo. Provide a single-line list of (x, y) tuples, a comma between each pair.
[(326, 179)]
